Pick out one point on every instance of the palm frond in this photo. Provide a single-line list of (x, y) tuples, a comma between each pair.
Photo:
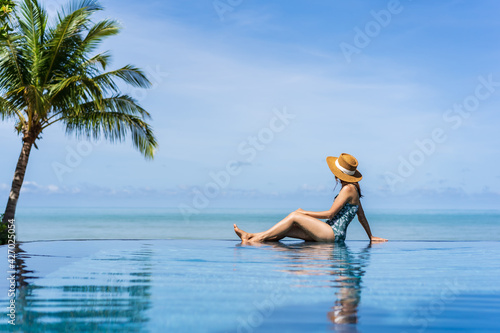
[(98, 32), (78, 85), (129, 74), (66, 35), (12, 69), (89, 5), (102, 59), (7, 110), (33, 27), (121, 115)]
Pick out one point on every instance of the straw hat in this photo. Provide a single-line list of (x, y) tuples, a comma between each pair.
[(344, 167)]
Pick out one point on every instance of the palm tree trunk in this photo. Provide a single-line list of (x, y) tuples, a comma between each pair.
[(10, 210)]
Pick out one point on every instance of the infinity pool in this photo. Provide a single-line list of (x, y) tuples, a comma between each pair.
[(225, 286)]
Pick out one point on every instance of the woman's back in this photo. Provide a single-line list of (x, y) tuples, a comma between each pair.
[(341, 220)]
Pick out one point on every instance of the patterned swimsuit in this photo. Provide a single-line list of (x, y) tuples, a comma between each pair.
[(341, 220)]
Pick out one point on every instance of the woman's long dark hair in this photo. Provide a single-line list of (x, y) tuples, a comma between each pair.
[(343, 182)]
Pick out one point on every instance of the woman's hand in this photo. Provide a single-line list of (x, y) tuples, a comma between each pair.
[(377, 239), (300, 210)]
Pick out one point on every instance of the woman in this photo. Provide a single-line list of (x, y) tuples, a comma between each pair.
[(307, 226)]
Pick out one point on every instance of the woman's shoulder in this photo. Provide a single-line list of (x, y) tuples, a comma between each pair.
[(352, 191), (350, 188)]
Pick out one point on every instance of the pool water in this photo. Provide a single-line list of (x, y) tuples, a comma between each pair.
[(178, 285)]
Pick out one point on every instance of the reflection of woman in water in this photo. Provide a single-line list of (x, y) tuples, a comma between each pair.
[(345, 269), (307, 226), (349, 272)]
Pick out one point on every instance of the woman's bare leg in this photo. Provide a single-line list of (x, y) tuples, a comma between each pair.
[(317, 230), (294, 232)]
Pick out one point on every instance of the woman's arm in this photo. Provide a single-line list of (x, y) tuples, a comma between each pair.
[(364, 222), (319, 215), (344, 195)]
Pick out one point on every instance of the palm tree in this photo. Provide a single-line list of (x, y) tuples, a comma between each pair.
[(53, 74)]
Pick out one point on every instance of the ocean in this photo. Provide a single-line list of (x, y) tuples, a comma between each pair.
[(168, 223)]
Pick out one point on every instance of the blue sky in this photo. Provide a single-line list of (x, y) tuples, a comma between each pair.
[(268, 88)]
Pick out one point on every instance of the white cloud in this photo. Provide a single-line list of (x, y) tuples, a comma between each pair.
[(53, 188), (34, 187)]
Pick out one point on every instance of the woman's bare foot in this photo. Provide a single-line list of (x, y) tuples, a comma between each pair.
[(245, 236)]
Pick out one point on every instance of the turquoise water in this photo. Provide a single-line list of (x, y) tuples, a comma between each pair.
[(438, 273)]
